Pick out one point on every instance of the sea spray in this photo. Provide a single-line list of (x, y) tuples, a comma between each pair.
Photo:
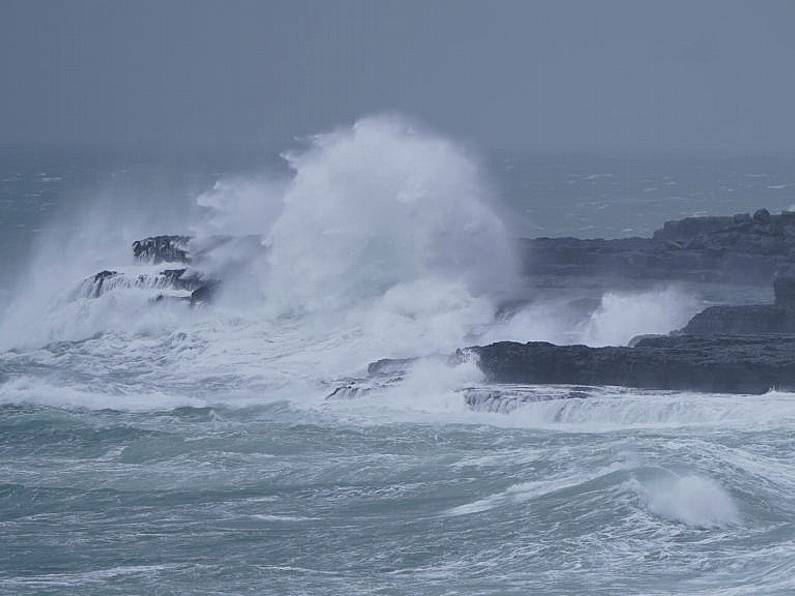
[(612, 320), (173, 447), (381, 204), (381, 241), (624, 315), (690, 499)]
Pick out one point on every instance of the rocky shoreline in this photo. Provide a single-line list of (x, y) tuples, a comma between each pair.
[(745, 348), (721, 364), (735, 249), (729, 348)]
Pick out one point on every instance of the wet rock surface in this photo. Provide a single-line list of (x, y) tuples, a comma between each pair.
[(723, 364), (183, 280), (175, 283), (506, 398)]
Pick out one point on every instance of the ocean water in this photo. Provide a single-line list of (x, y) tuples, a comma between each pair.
[(158, 449)]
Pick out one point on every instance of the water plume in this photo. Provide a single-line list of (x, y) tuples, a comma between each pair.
[(379, 204)]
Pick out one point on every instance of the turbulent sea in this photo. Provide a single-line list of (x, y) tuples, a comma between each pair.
[(161, 449)]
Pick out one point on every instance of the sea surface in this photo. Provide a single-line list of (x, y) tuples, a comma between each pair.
[(158, 449)]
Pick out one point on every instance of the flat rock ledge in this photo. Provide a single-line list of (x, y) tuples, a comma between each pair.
[(724, 364)]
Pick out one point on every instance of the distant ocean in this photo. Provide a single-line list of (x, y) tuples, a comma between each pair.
[(161, 449)]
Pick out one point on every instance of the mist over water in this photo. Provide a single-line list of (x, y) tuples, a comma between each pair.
[(192, 449)]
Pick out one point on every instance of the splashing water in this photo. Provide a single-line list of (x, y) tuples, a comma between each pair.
[(618, 317), (192, 450), (622, 316), (691, 499), (368, 208), (382, 243)]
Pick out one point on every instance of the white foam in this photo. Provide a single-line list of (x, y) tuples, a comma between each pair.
[(620, 316), (378, 205), (30, 390), (612, 408), (384, 243), (524, 492), (691, 499)]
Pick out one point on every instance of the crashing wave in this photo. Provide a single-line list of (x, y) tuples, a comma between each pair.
[(386, 374)]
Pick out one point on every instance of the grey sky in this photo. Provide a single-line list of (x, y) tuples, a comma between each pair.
[(556, 75)]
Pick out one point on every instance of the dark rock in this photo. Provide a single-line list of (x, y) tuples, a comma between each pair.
[(173, 275), (728, 364), (353, 388), (692, 227), (746, 319), (381, 374), (102, 275), (184, 279), (205, 293), (734, 249), (762, 216), (749, 319), (159, 249), (390, 366), (639, 338), (503, 399), (96, 290), (170, 279), (347, 390)]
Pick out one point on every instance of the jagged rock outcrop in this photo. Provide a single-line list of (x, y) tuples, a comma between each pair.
[(725, 364), (162, 249), (182, 284), (736, 249), (226, 254)]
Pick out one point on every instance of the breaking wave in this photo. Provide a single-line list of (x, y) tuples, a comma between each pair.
[(378, 240), (690, 499), (381, 240)]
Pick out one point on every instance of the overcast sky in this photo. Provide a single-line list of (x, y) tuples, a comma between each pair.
[(558, 75)]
